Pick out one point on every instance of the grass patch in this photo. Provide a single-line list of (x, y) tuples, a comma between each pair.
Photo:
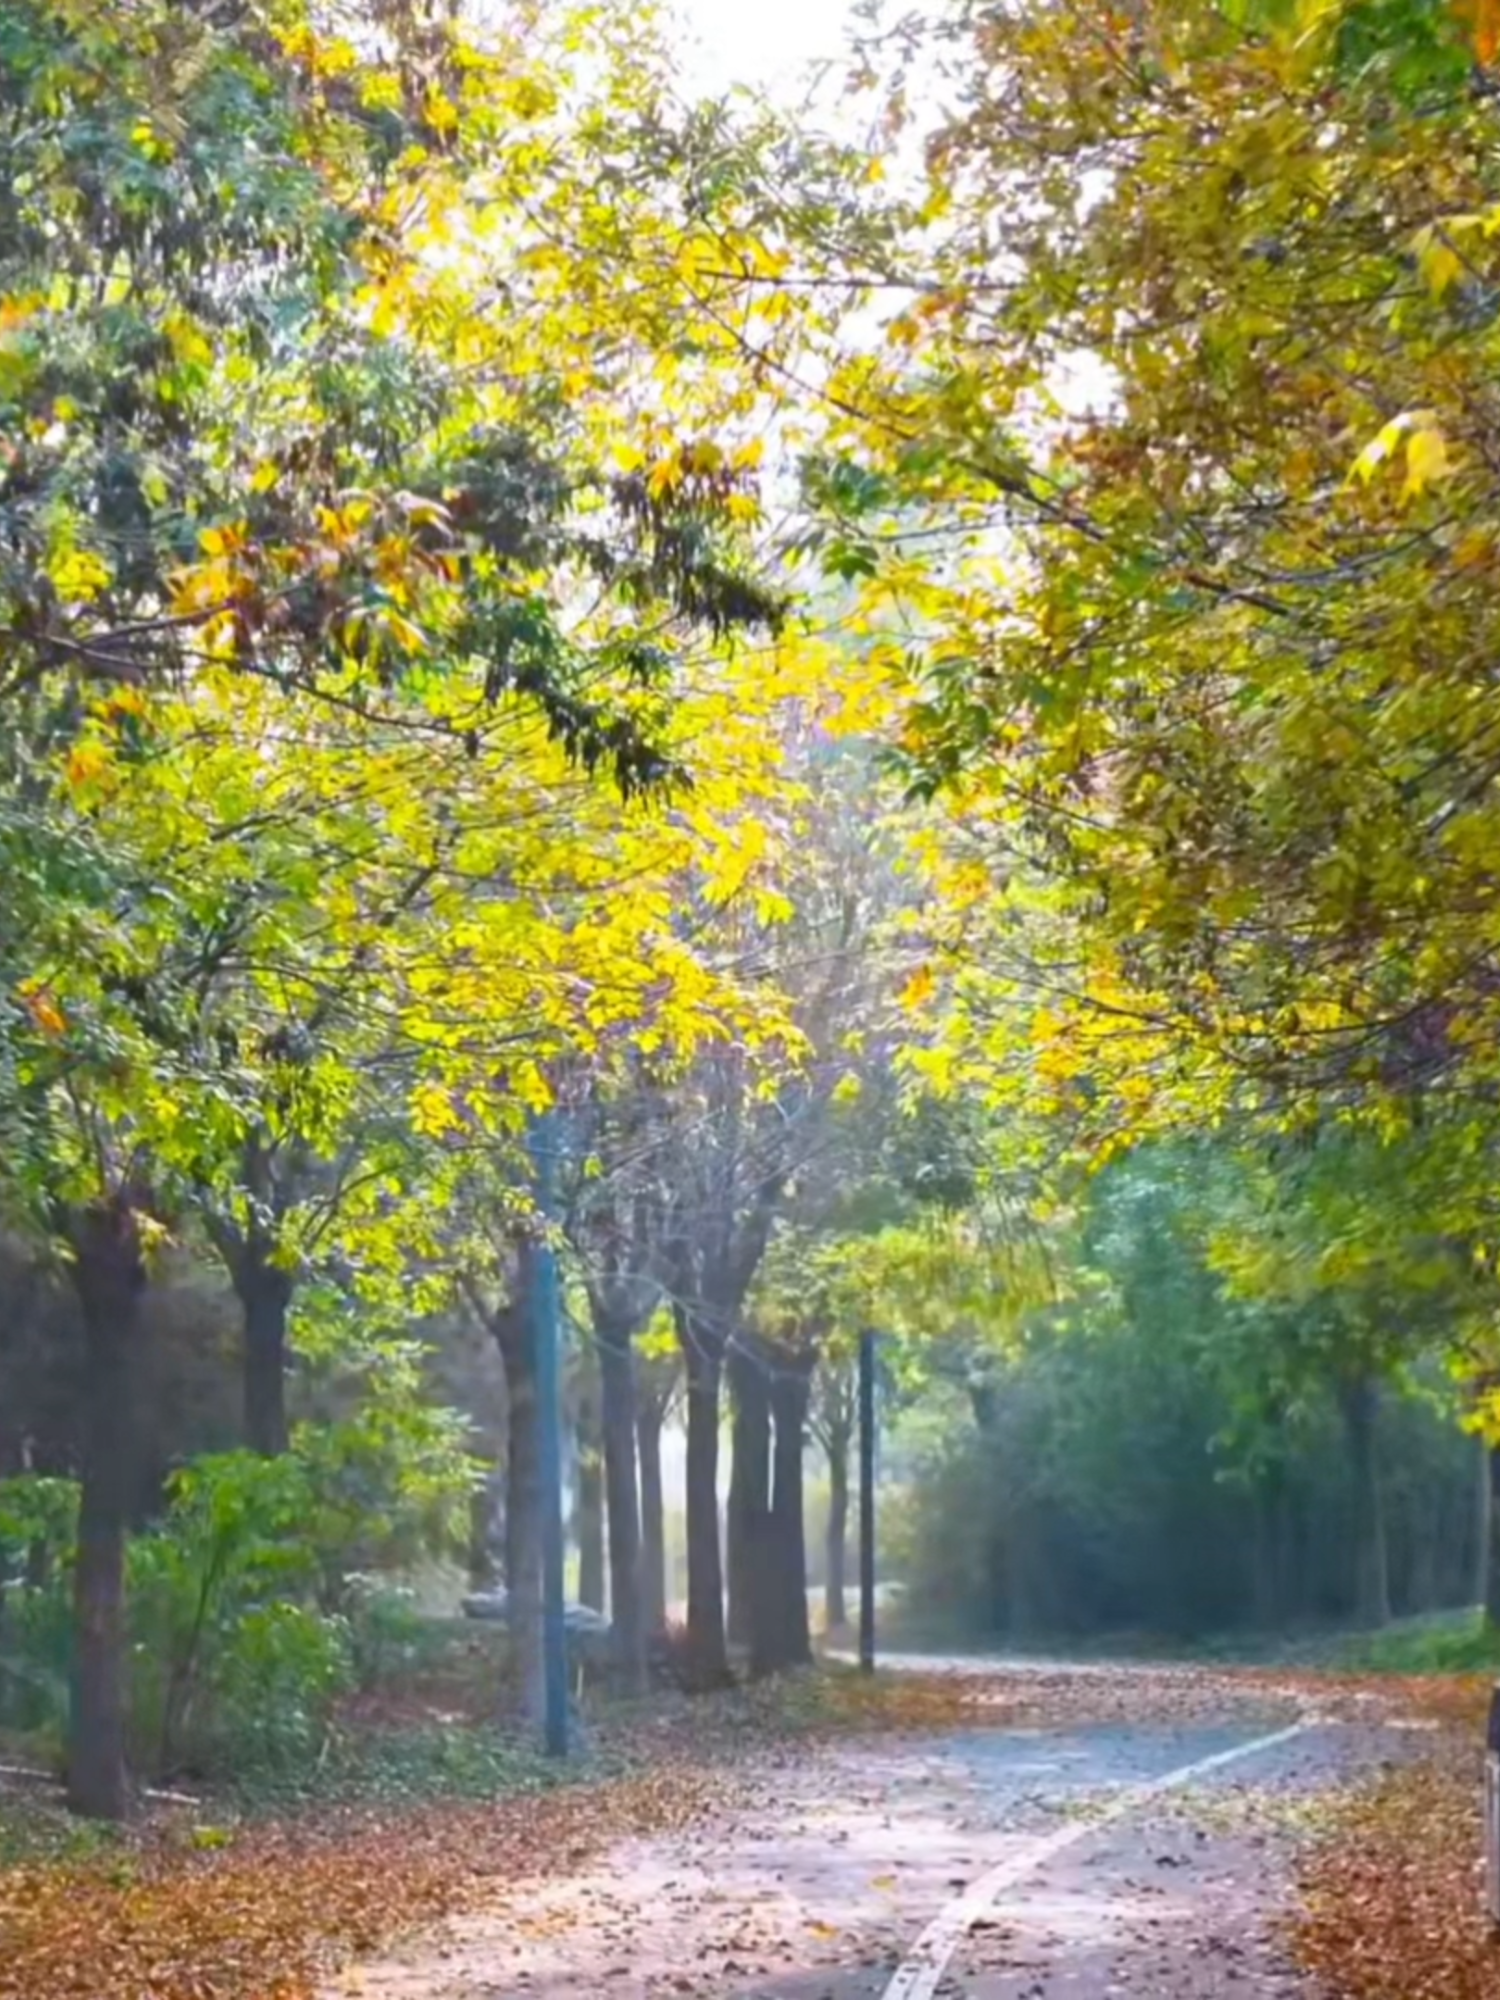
[(416, 1763), (1459, 1642), (36, 1828)]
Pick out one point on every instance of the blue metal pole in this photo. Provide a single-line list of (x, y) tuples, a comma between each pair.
[(867, 1501), (545, 1333)]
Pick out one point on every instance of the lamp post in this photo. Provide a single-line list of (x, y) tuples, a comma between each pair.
[(546, 1341), (867, 1501)]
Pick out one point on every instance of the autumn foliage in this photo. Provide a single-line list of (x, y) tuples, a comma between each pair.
[(800, 730)]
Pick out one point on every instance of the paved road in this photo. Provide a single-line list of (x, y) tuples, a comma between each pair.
[(1075, 1862)]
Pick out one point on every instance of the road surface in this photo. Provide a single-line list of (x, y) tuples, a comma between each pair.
[(1079, 1860)]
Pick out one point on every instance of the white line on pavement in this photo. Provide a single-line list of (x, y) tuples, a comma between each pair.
[(918, 1977)]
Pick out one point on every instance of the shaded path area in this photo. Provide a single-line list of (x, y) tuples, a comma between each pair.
[(819, 1881)]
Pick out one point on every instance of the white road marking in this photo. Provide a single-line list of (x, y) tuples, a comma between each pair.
[(919, 1976)]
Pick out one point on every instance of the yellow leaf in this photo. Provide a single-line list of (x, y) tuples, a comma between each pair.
[(86, 762), (189, 342), (78, 575), (441, 113), (1379, 449), (663, 476), (432, 1112), (1427, 460), (43, 1009), (1440, 264), (919, 988)]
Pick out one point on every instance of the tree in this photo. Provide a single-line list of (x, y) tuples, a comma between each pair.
[(753, 1123), (832, 1421), (299, 538), (658, 1385), (614, 1215), (1206, 420), (588, 1447), (105, 1237), (1162, 1443)]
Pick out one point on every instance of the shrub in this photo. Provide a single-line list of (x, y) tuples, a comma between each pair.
[(274, 1681), (387, 1634), (38, 1526), (253, 1602)]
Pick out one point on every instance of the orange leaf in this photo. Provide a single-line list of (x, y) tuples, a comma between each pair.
[(44, 1011)]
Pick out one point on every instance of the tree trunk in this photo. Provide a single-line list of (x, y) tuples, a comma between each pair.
[(835, 1610), (618, 1422), (265, 1294), (764, 1584), (984, 1401), (109, 1274), (481, 1529), (590, 1519), (749, 1485), (523, 1498), (789, 1392), (705, 1617), (1372, 1594), (648, 1424)]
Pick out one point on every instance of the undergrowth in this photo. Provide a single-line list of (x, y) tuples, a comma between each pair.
[(1459, 1643)]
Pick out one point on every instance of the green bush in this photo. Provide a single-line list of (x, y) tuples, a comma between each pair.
[(273, 1685), (231, 1542), (1460, 1643), (253, 1603), (388, 1635), (38, 1526)]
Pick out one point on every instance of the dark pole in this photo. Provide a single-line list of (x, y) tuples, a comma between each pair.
[(867, 1501), (549, 1418)]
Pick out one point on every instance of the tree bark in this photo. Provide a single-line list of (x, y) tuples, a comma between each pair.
[(835, 1609), (789, 1393), (1372, 1593), (618, 1422), (265, 1294), (705, 1618), (481, 1525), (590, 1518), (648, 1424), (749, 1487), (764, 1584), (109, 1274)]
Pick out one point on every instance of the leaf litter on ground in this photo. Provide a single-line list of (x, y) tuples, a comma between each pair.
[(262, 1912), (1393, 1884)]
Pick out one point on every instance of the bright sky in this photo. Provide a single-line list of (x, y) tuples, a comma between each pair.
[(771, 43)]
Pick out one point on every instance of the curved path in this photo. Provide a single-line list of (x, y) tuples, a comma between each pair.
[(1076, 1860)]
